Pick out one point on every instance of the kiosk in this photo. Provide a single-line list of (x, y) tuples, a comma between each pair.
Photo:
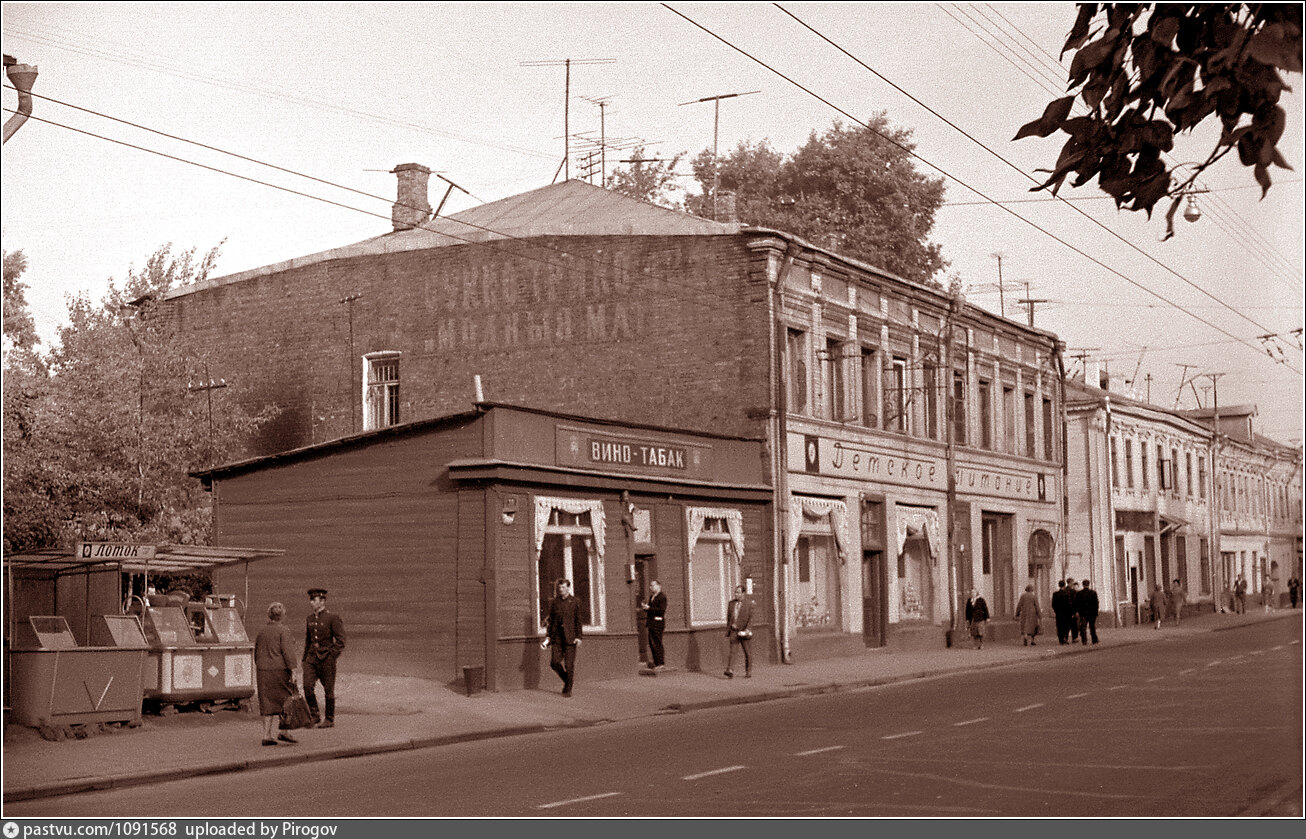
[(83, 603)]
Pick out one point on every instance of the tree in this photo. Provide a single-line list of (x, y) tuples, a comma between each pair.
[(101, 447), (853, 189), (1147, 72), (19, 329), (648, 180)]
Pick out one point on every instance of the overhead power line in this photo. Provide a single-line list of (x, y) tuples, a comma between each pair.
[(959, 181)]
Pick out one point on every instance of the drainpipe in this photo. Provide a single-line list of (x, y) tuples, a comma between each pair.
[(1065, 457), (22, 77), (779, 432)]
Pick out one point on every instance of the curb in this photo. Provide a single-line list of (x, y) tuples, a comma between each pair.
[(141, 779)]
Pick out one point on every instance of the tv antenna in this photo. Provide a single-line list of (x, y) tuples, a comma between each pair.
[(716, 133), (566, 102)]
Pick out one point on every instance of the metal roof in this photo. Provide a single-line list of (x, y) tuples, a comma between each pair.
[(571, 208), (167, 558)]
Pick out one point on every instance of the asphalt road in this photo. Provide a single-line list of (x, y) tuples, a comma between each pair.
[(1207, 725)]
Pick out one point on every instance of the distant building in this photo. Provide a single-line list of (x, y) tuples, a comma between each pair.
[(912, 442), (1260, 490), (1141, 500)]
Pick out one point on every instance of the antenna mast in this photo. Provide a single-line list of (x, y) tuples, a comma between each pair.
[(716, 133), (566, 103)]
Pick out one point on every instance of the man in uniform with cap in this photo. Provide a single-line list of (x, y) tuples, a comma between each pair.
[(324, 639)]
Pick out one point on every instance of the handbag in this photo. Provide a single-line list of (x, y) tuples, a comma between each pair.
[(744, 634), (295, 713)]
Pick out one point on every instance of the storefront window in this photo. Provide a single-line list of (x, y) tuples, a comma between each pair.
[(716, 547), (817, 545), (569, 539)]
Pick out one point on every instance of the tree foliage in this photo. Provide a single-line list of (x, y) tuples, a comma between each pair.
[(854, 190), (647, 179), (100, 438), (1147, 72)]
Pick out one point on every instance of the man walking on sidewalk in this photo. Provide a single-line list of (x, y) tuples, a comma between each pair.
[(324, 640), (1240, 595), (1063, 611), (562, 633), (738, 614), (1086, 609), (1177, 599)]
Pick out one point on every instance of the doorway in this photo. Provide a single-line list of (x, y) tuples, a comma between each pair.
[(997, 559), (875, 580), (646, 571)]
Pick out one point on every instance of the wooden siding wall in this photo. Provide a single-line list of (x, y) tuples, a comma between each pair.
[(378, 527)]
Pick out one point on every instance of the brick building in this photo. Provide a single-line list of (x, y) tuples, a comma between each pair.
[(882, 404)]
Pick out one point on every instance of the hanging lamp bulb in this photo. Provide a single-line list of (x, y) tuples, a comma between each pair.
[(1192, 212)]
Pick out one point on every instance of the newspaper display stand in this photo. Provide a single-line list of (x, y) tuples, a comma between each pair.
[(62, 689), (63, 649), (198, 653)]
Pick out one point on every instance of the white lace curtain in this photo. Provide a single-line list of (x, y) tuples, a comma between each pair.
[(818, 507), (696, 516), (915, 520), (544, 506)]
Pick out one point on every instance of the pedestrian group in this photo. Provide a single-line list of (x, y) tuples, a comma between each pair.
[(280, 704)]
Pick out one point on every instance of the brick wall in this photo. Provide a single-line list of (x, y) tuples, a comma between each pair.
[(657, 330)]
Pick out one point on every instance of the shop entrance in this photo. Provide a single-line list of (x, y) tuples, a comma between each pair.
[(875, 594), (997, 559), (646, 570)]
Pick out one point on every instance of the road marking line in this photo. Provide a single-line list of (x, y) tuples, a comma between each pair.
[(711, 772), (1117, 687), (1293, 641), (971, 722), (1156, 678), (1277, 648), (576, 800), (904, 734), (1077, 695), (817, 751), (1189, 670), (1028, 708), (1258, 652), (1213, 663)]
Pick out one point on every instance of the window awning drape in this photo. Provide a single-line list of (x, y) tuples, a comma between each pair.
[(818, 507), (576, 506), (696, 516), (916, 520)]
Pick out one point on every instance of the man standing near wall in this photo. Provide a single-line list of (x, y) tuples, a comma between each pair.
[(1086, 609), (324, 640), (1064, 612), (655, 612)]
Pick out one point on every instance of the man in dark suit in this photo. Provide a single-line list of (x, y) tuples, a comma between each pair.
[(1086, 609), (738, 614), (324, 640), (1072, 598), (562, 633), (1064, 611), (655, 612)]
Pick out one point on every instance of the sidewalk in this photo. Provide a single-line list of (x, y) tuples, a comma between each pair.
[(383, 714)]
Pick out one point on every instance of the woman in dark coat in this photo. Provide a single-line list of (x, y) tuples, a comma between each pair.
[(1157, 603), (1028, 613), (977, 617), (274, 660)]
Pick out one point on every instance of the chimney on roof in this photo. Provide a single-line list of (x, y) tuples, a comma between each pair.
[(725, 208), (412, 207)]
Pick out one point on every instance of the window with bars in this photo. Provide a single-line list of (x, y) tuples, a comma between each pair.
[(381, 391), (896, 398)]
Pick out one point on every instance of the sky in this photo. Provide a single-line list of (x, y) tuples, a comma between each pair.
[(334, 96)]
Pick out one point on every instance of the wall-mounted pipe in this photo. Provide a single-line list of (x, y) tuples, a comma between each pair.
[(22, 77)]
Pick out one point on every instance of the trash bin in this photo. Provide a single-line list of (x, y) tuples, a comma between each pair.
[(474, 679), (57, 685)]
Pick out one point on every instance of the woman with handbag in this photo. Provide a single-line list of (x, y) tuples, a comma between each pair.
[(738, 614), (274, 660)]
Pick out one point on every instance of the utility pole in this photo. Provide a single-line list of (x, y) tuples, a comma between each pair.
[(1002, 295), (353, 415), (1028, 301), (716, 133), (1218, 582), (207, 386), (566, 102)]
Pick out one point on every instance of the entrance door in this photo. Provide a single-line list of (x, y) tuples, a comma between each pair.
[(646, 571), (998, 557), (875, 598), (875, 573)]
